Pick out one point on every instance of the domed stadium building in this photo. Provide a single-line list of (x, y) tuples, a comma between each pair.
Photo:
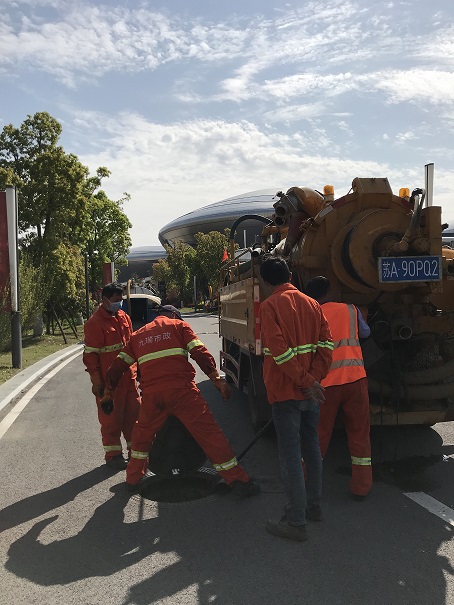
[(222, 215), (140, 262), (214, 217)]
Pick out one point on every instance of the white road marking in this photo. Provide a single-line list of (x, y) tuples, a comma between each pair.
[(433, 506), (20, 405)]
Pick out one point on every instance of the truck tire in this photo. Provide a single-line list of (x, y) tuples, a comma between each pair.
[(232, 349), (259, 408)]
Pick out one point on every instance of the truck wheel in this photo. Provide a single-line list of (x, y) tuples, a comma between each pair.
[(259, 408), (233, 350)]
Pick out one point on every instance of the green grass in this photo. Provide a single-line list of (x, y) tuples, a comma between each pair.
[(36, 348), (200, 309)]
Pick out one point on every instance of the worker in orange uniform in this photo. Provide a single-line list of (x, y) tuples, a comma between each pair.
[(297, 349), (106, 333), (161, 349), (346, 385)]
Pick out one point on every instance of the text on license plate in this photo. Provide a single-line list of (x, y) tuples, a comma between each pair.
[(409, 268)]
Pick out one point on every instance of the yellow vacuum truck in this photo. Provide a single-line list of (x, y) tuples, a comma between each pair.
[(382, 252)]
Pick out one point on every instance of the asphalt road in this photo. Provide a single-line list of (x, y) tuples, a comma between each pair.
[(70, 534)]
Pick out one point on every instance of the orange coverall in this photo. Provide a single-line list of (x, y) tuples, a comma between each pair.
[(346, 389), (297, 346), (106, 335), (161, 349)]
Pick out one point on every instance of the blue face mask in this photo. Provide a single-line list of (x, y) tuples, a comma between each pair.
[(115, 306)]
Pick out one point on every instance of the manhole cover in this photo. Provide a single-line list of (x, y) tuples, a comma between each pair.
[(181, 488)]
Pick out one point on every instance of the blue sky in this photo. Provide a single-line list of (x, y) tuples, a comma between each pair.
[(190, 102)]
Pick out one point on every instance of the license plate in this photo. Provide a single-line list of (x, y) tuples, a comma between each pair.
[(393, 269)]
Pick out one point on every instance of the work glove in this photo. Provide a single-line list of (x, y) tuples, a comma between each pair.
[(221, 385), (97, 386), (106, 404), (316, 392)]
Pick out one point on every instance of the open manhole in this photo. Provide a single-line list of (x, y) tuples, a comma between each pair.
[(176, 471), (181, 488)]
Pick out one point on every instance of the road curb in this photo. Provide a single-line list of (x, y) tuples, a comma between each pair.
[(19, 383)]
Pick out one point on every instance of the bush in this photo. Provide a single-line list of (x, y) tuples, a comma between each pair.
[(32, 293), (5, 323)]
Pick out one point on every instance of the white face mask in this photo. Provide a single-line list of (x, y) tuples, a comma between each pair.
[(115, 306)]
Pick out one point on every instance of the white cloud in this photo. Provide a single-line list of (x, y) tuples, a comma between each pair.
[(171, 170), (186, 111)]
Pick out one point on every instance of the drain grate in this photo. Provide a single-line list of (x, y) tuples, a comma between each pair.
[(181, 488)]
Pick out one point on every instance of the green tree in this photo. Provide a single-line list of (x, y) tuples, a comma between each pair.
[(62, 210), (163, 272), (209, 252), (177, 271), (54, 187), (107, 236)]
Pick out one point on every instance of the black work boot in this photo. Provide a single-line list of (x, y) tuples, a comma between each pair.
[(117, 463), (246, 489)]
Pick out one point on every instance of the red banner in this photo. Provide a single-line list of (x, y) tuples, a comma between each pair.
[(4, 253), (107, 277)]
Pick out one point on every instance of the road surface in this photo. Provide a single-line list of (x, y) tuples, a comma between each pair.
[(70, 533)]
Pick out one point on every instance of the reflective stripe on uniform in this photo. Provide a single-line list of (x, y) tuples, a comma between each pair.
[(280, 359), (91, 349), (361, 461), (109, 349), (161, 354), (299, 350), (112, 448), (225, 466), (139, 455), (326, 344), (347, 342), (194, 343), (346, 362), (126, 358)]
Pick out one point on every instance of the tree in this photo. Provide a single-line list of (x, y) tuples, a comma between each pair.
[(107, 236), (177, 270), (54, 187), (62, 210), (209, 252)]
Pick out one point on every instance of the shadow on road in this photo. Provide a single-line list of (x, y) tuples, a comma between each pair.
[(219, 551), (39, 504)]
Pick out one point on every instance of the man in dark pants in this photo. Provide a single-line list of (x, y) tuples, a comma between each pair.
[(297, 349)]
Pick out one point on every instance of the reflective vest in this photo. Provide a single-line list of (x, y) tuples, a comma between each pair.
[(347, 364)]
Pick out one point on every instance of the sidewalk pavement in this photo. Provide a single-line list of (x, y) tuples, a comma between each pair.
[(19, 383)]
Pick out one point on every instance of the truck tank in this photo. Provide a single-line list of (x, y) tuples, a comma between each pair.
[(382, 252)]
